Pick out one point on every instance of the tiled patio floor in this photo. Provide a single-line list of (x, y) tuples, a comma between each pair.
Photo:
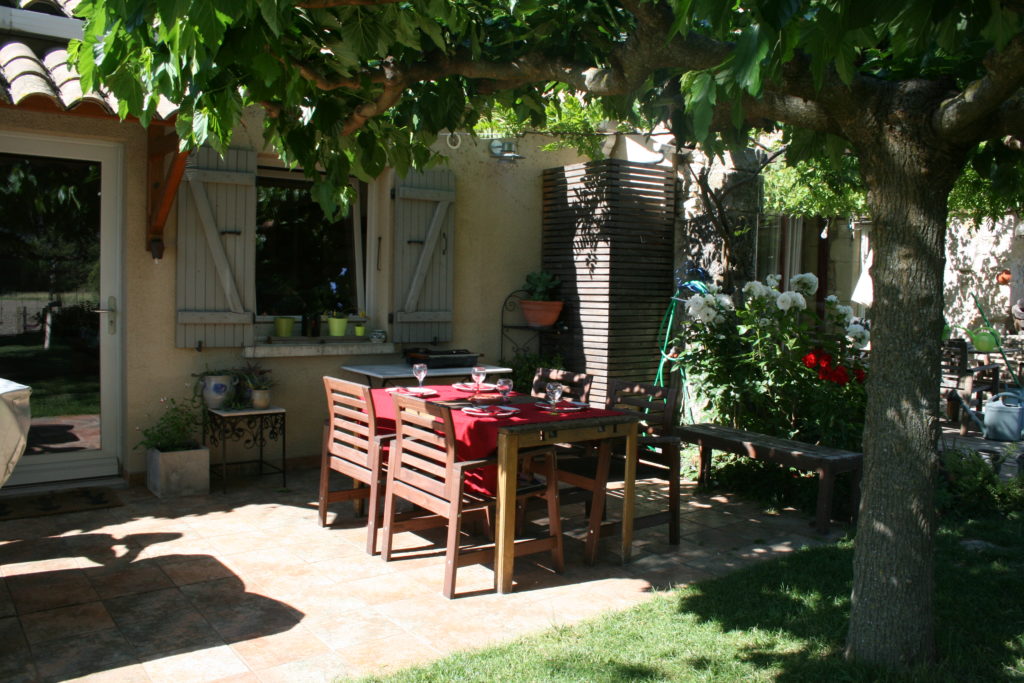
[(245, 586)]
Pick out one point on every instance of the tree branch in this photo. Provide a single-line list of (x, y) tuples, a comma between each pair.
[(1005, 75)]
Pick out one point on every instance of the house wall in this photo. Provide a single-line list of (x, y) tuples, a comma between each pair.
[(974, 256), (497, 242)]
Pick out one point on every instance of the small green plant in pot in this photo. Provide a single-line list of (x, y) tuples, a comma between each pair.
[(538, 305), (258, 382), (176, 463)]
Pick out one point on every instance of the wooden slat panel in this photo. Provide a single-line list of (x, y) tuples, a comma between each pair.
[(216, 284), (608, 233)]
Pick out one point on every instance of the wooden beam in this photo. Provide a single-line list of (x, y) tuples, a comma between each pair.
[(162, 188)]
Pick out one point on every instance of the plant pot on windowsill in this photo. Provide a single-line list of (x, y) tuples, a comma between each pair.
[(540, 313)]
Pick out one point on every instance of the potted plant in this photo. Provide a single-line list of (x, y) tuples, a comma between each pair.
[(176, 463), (258, 382), (358, 322), (337, 321), (538, 307), (216, 387)]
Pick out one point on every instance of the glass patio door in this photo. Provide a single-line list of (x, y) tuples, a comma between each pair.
[(60, 329)]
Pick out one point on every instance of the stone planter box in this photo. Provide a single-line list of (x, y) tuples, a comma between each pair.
[(178, 473)]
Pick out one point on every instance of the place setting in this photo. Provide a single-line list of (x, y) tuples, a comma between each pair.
[(554, 403)]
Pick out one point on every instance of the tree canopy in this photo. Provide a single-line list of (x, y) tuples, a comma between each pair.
[(916, 90)]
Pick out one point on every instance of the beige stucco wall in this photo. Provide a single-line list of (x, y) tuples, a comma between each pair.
[(974, 256), (497, 241)]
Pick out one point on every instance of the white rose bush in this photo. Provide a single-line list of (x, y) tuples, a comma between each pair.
[(773, 365)]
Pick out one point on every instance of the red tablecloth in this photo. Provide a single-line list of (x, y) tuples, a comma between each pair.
[(478, 436)]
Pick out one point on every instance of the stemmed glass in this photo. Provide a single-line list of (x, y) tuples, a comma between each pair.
[(505, 388), (479, 374), (553, 391), (419, 371)]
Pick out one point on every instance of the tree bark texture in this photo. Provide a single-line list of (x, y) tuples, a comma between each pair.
[(909, 173)]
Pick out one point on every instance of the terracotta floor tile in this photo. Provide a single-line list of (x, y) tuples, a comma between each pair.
[(186, 571), (238, 614), (161, 621), (16, 662), (6, 603), (136, 578), (203, 664), (66, 621), (266, 652), (324, 668), (247, 586), (130, 673), (75, 656), (50, 589), (388, 654)]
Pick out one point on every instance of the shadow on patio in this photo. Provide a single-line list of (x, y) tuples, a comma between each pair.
[(246, 585)]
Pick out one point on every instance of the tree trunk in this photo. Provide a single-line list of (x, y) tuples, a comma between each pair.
[(908, 178)]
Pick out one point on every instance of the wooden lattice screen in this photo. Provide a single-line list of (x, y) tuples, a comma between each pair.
[(608, 234)]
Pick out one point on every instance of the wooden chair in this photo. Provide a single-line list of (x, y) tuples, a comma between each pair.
[(577, 384), (353, 446), (658, 455), (424, 470), (964, 387)]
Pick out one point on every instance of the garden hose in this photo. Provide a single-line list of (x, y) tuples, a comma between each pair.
[(999, 344)]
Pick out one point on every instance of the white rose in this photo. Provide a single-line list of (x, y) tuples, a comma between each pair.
[(831, 299), (788, 300), (773, 280), (755, 290), (858, 334), (805, 283)]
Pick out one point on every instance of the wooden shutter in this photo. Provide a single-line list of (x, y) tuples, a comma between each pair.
[(424, 232), (216, 245)]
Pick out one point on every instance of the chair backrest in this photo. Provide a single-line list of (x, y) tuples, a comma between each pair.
[(351, 420), (660, 405), (577, 384), (422, 461)]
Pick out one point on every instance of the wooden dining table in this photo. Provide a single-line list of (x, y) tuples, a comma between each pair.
[(504, 436)]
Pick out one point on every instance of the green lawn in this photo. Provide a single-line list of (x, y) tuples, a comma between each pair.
[(64, 379), (783, 619)]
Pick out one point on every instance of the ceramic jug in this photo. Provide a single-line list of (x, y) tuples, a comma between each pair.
[(216, 389)]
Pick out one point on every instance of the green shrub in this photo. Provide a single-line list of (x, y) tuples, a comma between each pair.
[(771, 366), (968, 485), (177, 428)]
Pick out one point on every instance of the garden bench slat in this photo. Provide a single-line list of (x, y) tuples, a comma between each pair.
[(826, 461)]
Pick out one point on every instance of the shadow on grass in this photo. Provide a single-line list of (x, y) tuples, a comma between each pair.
[(64, 378), (979, 609)]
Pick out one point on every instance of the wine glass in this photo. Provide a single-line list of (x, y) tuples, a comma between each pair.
[(505, 388), (479, 374), (553, 390), (419, 371)]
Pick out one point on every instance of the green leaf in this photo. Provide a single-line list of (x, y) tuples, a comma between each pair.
[(269, 12), (751, 48)]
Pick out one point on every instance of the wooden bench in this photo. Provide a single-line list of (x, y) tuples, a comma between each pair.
[(827, 462)]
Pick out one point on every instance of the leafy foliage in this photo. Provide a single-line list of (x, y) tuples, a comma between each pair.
[(772, 367), (176, 429), (970, 485)]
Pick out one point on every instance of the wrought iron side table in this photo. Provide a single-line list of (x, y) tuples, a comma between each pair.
[(251, 426)]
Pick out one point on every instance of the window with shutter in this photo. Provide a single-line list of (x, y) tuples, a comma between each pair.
[(216, 243), (424, 230)]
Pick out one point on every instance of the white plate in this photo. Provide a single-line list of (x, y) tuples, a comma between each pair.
[(470, 386), (563, 406), (412, 391), (493, 411)]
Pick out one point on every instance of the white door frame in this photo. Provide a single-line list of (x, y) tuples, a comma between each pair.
[(105, 461)]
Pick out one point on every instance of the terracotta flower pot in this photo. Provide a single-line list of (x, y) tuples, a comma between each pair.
[(1004, 277), (540, 313)]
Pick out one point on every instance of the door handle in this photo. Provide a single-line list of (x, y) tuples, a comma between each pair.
[(111, 312)]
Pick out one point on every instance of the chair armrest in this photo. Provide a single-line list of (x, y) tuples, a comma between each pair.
[(470, 464)]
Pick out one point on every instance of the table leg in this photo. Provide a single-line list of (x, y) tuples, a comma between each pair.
[(826, 484), (629, 493), (284, 469), (224, 465), (504, 534)]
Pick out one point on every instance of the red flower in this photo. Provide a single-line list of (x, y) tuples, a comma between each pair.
[(859, 374), (825, 360), (839, 376), (811, 360)]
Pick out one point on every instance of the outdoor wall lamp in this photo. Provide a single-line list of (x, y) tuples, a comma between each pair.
[(505, 150)]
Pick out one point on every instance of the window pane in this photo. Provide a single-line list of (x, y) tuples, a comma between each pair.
[(305, 263)]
